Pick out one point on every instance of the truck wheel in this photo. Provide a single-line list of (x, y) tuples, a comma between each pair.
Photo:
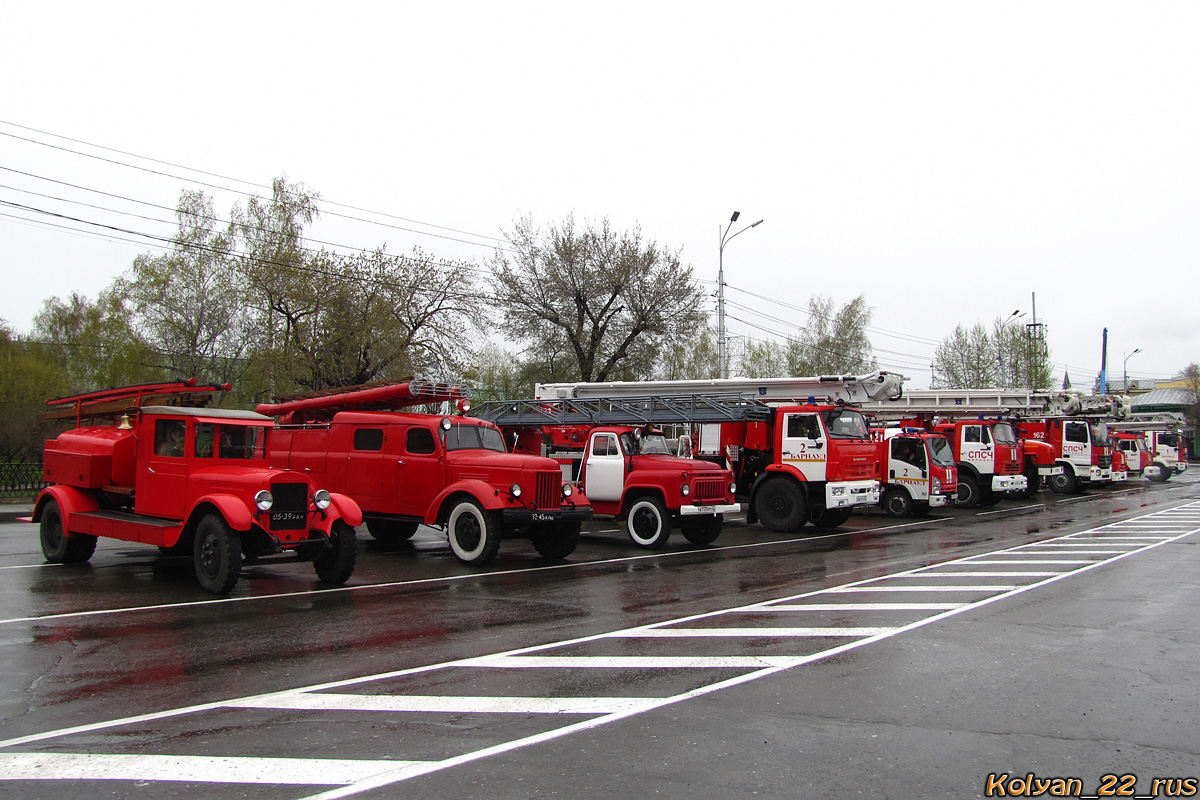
[(1066, 483), (781, 505), (988, 497), (921, 508), (556, 541), (1033, 482), (391, 531), (648, 523), (831, 518), (968, 491), (1164, 475), (702, 530), (58, 546), (335, 564), (897, 503), (217, 555), (474, 534)]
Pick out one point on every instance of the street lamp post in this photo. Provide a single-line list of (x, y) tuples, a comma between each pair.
[(1000, 341), (722, 356), (1125, 371)]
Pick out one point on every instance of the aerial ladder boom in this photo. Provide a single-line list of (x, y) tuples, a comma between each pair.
[(1014, 402), (832, 389), (380, 396)]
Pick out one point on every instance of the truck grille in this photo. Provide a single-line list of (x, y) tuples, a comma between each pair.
[(1010, 468), (290, 509), (548, 493), (709, 490), (1105, 461)]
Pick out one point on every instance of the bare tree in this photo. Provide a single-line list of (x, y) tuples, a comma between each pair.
[(833, 343), (965, 360), (612, 301)]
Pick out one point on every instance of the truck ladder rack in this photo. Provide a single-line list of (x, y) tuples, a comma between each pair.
[(624, 411)]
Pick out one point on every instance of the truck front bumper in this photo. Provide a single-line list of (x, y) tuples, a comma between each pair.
[(524, 517), (1100, 474), (1046, 472), (851, 493), (1117, 477), (723, 508), (1181, 467), (937, 500), (1009, 483)]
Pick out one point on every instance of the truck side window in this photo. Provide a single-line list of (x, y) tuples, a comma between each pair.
[(971, 434), (605, 445), (803, 426), (910, 451), (1076, 432), (205, 436), (368, 439), (419, 441), (168, 437)]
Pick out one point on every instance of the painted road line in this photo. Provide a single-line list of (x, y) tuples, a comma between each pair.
[(630, 662), (194, 769), (999, 587), (1028, 573), (684, 633), (857, 607), (309, 701), (1035, 561)]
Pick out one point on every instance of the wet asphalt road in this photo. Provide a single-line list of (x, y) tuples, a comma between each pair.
[(1056, 637)]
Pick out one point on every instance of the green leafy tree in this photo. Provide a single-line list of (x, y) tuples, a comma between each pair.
[(610, 300), (834, 342), (96, 344), (188, 303), (30, 374), (965, 360), (693, 358), (763, 360)]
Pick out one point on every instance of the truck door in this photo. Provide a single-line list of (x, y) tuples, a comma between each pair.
[(977, 448), (365, 472), (161, 482), (420, 473), (604, 469), (804, 444), (1077, 442)]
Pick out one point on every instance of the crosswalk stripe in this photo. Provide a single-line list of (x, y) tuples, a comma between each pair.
[(309, 701), (683, 633), (999, 587), (858, 607), (193, 769), (632, 662)]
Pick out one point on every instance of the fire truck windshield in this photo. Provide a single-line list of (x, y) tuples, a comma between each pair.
[(474, 437), (943, 455), (654, 444), (1099, 434), (846, 423), (1002, 432)]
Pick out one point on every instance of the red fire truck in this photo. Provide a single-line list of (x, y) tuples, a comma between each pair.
[(406, 469), (629, 473), (1161, 440), (192, 480), (918, 470), (1082, 449), (798, 450)]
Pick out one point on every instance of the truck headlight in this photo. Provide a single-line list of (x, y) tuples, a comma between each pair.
[(515, 490), (568, 490), (264, 500), (733, 488), (937, 486), (838, 491), (321, 499), (685, 490)]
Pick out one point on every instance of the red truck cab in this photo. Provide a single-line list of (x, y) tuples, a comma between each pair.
[(918, 470), (989, 458)]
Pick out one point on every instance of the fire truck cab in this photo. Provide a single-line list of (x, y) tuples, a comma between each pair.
[(918, 470)]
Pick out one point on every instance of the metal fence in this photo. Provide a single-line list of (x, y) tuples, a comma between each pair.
[(20, 480)]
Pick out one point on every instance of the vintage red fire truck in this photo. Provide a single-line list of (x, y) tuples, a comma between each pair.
[(629, 473), (189, 479), (799, 451), (406, 469), (918, 470)]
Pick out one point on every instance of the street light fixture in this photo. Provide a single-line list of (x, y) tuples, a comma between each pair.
[(1125, 371), (1000, 340), (722, 356)]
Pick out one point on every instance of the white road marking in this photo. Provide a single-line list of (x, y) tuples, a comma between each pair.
[(999, 587), (858, 607), (309, 701), (683, 633), (193, 769)]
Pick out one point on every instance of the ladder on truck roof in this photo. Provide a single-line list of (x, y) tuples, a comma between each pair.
[(377, 396), (646, 410), (112, 403), (832, 389), (1015, 402), (1153, 421)]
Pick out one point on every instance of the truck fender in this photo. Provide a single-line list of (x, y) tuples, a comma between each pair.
[(69, 501), (483, 493), (345, 509), (237, 515)]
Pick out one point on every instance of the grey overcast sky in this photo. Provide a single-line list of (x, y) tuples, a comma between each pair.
[(947, 159)]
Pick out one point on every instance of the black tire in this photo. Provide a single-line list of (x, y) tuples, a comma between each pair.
[(556, 541), (831, 518), (781, 506), (968, 491), (474, 534), (702, 530), (1033, 483), (1066, 483), (1163, 475), (391, 531), (59, 546), (921, 508), (216, 555), (335, 564), (648, 523), (897, 503)]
